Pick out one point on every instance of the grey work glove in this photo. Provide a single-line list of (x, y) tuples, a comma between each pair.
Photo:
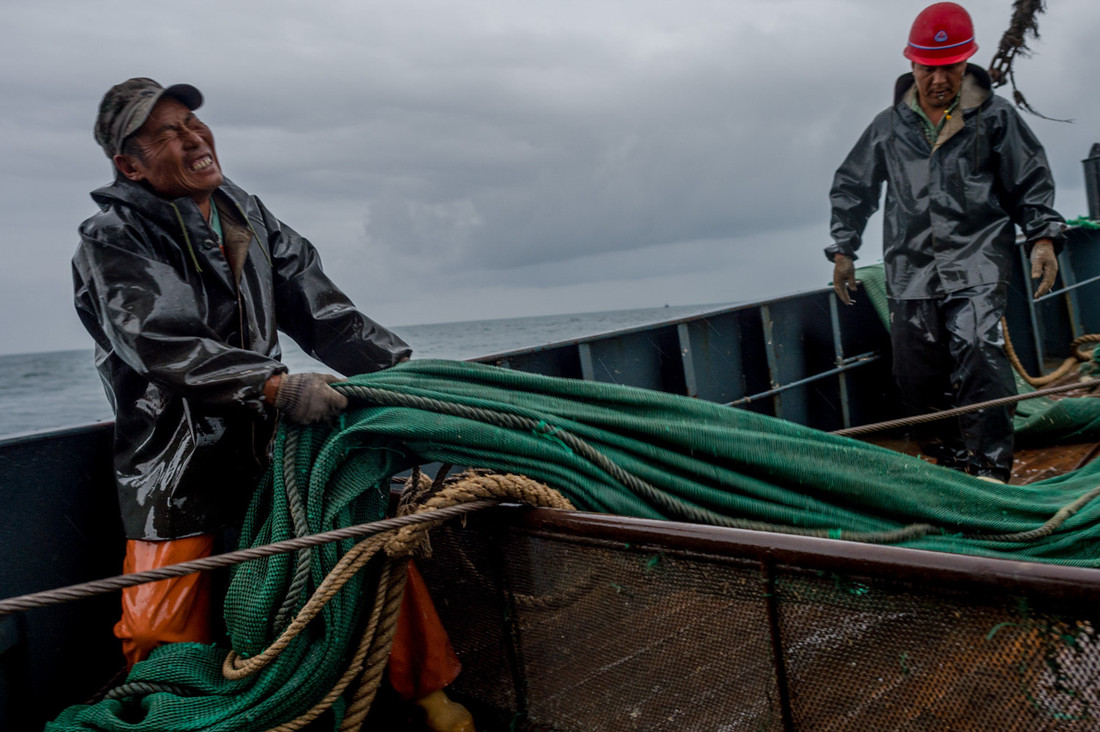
[(844, 277), (1044, 263), (308, 398)]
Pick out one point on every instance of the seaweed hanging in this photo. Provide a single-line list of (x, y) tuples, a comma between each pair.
[(1024, 23)]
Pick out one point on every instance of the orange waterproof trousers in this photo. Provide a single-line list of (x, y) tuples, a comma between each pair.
[(174, 610), (177, 610)]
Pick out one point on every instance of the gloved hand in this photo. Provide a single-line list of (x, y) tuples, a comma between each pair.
[(844, 277), (1044, 263), (307, 398)]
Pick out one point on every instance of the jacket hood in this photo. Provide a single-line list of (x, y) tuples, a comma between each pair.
[(140, 197), (179, 215), (974, 92)]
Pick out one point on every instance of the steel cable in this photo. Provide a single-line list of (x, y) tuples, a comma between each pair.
[(946, 413), (110, 584)]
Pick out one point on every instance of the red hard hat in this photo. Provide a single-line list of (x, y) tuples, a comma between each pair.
[(942, 34)]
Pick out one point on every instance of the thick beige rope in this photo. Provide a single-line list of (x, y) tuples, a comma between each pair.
[(1068, 365), (372, 653), (474, 487)]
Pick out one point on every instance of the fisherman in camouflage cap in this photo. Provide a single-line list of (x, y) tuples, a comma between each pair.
[(183, 281)]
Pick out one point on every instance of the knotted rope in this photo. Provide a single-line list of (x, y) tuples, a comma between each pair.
[(368, 663), (1078, 356)]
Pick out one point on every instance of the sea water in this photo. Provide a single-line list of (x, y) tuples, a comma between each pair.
[(41, 391)]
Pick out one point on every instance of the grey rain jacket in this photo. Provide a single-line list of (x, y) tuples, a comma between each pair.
[(184, 350), (950, 208)]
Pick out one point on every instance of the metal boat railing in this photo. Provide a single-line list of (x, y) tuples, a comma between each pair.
[(1076, 294), (790, 357), (794, 357)]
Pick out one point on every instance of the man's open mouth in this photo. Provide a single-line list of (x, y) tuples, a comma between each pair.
[(202, 163)]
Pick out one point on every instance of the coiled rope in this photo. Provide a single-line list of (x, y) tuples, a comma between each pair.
[(1069, 364), (397, 538), (368, 663)]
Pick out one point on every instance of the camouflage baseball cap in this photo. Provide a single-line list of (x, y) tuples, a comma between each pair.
[(126, 106)]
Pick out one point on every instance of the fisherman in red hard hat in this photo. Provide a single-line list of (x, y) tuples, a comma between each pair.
[(962, 171), (942, 35)]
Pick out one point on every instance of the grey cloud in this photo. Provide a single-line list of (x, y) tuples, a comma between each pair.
[(461, 159)]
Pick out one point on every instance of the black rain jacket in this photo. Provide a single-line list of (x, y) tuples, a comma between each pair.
[(950, 207), (184, 349)]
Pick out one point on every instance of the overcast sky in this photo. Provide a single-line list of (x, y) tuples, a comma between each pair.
[(464, 159)]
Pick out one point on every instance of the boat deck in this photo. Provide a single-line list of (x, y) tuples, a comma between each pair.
[(1032, 464)]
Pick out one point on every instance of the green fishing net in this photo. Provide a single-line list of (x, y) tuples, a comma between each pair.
[(607, 448)]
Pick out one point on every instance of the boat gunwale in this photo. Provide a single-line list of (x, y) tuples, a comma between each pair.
[(1070, 582), (1057, 582), (718, 311)]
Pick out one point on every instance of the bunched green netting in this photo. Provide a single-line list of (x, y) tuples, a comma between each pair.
[(659, 455)]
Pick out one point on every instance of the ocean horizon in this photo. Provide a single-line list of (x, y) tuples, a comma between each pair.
[(48, 390)]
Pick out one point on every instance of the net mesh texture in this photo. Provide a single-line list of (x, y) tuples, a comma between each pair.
[(583, 634)]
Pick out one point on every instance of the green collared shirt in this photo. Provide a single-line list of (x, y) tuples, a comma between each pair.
[(216, 222), (932, 131)]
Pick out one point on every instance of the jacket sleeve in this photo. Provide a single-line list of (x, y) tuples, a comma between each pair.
[(141, 311), (855, 194), (1026, 181), (320, 318)]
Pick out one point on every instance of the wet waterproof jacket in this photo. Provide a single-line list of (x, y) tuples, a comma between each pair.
[(951, 206), (184, 347)]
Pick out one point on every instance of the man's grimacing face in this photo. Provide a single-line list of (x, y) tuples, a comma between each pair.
[(177, 153), (939, 85)]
